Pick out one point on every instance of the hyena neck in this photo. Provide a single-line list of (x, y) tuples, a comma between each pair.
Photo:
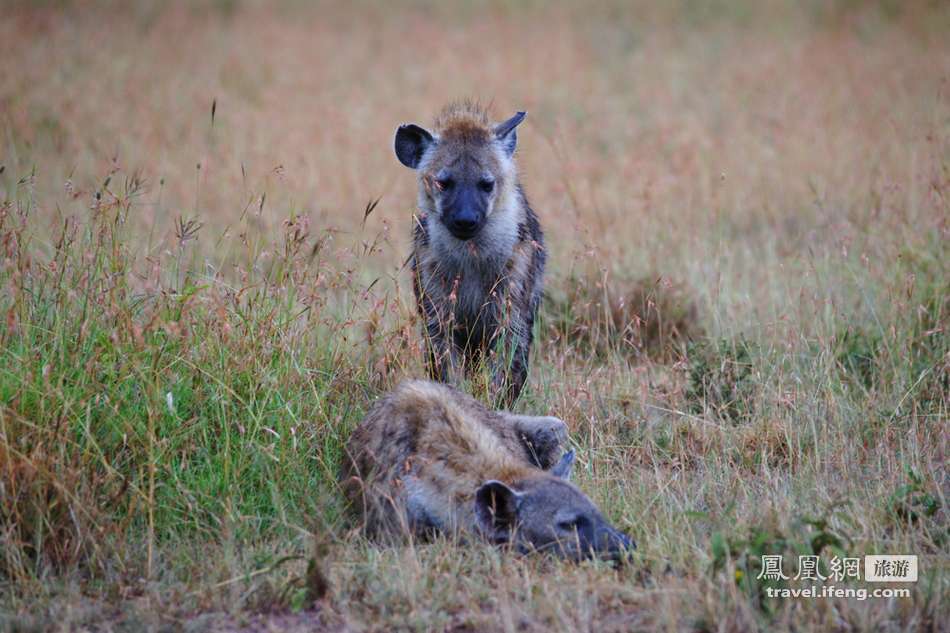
[(490, 250)]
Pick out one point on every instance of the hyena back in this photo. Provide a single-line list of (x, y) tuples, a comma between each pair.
[(478, 250), (429, 459)]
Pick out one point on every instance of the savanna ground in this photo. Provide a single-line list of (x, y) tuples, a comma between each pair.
[(745, 325)]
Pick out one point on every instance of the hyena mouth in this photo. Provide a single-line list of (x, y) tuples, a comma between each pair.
[(464, 234), (463, 223)]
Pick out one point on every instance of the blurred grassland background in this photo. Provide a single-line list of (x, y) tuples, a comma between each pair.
[(204, 226)]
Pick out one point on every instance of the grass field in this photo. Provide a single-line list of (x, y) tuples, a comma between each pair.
[(747, 208)]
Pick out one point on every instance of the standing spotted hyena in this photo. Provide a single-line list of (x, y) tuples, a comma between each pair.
[(430, 459), (478, 251)]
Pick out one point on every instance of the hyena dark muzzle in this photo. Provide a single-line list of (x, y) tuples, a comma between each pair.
[(464, 202)]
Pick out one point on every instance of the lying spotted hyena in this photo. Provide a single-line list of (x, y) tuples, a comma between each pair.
[(431, 459)]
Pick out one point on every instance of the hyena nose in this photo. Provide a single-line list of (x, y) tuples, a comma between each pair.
[(620, 544), (464, 227), (465, 224), (626, 543)]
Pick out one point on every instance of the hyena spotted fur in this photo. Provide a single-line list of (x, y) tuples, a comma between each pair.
[(478, 250), (430, 459)]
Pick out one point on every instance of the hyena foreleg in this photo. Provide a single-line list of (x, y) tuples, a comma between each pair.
[(444, 357), (510, 366)]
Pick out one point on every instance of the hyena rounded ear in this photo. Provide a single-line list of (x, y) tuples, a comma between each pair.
[(506, 134), (411, 144), (496, 509), (563, 468)]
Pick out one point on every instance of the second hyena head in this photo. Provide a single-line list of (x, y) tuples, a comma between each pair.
[(547, 513), (466, 171)]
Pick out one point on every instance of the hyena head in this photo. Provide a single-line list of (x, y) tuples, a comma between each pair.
[(465, 166), (548, 513)]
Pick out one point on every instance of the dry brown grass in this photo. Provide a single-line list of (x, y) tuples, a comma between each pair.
[(650, 318), (779, 173)]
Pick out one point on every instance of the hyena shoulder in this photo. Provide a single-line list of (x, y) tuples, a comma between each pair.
[(421, 449), (420, 416)]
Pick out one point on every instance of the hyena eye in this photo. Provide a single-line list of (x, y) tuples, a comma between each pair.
[(444, 184), (486, 185)]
